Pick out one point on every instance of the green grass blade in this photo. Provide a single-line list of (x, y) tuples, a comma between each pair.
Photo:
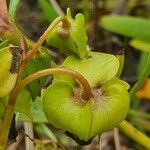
[(48, 10)]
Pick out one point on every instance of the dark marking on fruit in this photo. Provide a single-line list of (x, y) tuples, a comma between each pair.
[(80, 142), (16, 55)]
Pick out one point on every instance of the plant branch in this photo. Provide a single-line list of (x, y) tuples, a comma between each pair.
[(135, 134), (43, 37), (6, 122), (116, 139), (3, 11), (28, 127), (85, 85)]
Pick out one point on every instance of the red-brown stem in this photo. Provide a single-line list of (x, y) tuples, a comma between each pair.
[(42, 38), (3, 11), (84, 83), (23, 46)]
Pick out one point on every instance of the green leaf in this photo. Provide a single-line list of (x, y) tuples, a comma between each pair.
[(48, 10), (37, 114), (140, 45), (141, 64), (142, 76), (69, 40), (134, 27), (97, 68), (23, 103), (42, 129), (4, 43), (40, 61), (37, 111)]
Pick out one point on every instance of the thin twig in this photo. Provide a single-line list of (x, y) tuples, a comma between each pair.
[(100, 142), (116, 139), (3, 10), (28, 127), (23, 46), (15, 145), (42, 39)]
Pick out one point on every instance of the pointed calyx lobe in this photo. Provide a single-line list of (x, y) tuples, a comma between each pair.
[(70, 37), (65, 107)]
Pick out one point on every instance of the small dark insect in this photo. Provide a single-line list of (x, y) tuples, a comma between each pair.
[(16, 53)]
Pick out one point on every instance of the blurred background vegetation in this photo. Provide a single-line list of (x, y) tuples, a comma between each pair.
[(34, 16)]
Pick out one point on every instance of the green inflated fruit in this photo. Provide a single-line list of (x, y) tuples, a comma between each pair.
[(66, 108), (8, 69)]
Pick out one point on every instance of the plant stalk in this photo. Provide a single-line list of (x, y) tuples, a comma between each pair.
[(3, 11), (135, 134), (84, 83), (5, 126), (43, 37)]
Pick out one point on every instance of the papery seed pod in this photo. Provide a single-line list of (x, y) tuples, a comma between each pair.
[(9, 57)]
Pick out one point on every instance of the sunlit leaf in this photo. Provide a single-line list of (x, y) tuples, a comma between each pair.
[(23, 103), (37, 114), (134, 27), (37, 111), (97, 68), (140, 45)]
